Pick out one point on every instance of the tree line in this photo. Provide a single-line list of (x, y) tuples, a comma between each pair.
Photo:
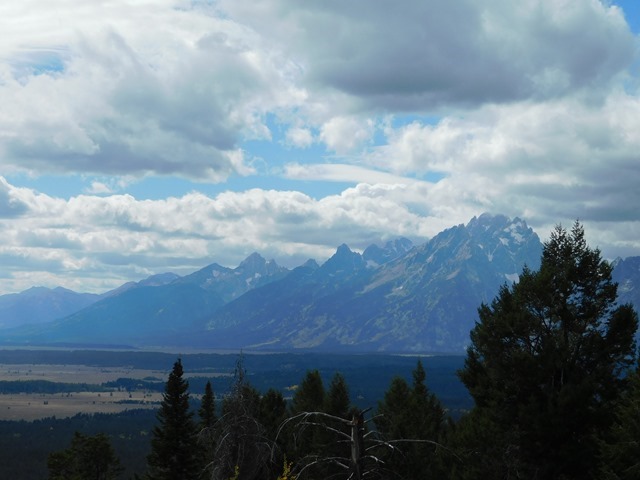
[(552, 368)]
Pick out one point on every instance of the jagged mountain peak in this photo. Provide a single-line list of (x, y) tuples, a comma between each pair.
[(310, 264), (255, 261), (257, 264), (343, 259), (499, 225), (501, 239), (425, 299), (375, 255)]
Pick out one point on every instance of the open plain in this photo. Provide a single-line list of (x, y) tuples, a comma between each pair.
[(32, 406)]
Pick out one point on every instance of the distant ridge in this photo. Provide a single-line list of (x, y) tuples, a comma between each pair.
[(393, 298), (39, 305)]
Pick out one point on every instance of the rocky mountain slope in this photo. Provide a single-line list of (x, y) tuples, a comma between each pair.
[(423, 300), (393, 298)]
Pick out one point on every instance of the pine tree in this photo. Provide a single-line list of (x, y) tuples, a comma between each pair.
[(273, 411), (337, 400), (338, 404), (236, 445), (88, 458), (547, 362), (414, 418), (309, 397), (620, 449), (174, 444), (207, 410)]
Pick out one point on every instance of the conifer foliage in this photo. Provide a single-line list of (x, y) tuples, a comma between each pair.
[(414, 417), (207, 410), (88, 458), (174, 444), (547, 362)]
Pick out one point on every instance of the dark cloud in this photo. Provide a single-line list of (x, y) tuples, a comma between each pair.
[(424, 54)]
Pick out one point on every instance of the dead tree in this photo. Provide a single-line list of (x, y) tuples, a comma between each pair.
[(363, 463)]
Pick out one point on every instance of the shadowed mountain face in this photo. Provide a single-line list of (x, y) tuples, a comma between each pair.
[(425, 299), (395, 298), (627, 274), (41, 305)]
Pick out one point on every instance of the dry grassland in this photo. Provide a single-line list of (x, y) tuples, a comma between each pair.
[(34, 406), (61, 405), (75, 373)]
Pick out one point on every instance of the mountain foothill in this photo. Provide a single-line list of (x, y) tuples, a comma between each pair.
[(395, 298)]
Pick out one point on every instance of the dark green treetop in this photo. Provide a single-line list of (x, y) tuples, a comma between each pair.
[(174, 444), (309, 397), (547, 360), (337, 400), (207, 410), (413, 420), (620, 449), (88, 458)]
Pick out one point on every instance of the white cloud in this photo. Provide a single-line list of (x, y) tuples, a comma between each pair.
[(102, 241), (10, 204), (98, 188), (299, 137), (525, 100), (345, 135), (547, 162), (334, 172), (110, 97)]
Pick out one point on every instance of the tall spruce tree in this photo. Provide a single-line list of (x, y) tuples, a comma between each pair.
[(412, 419), (174, 444), (546, 363), (309, 397), (338, 404), (236, 447), (337, 400), (207, 410)]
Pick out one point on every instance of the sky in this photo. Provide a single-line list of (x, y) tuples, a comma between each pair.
[(146, 136)]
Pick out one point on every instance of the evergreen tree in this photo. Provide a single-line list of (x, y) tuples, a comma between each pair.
[(207, 410), (338, 404), (273, 411), (547, 362), (88, 458), (309, 397), (237, 446), (621, 448), (272, 414), (337, 400), (174, 444), (413, 420)]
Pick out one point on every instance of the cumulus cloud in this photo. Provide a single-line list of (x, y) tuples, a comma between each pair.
[(344, 135), (91, 242), (549, 161), (10, 205), (524, 108), (85, 88), (173, 99), (299, 137), (435, 54)]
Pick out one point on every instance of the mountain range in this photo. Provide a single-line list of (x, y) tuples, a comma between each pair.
[(398, 297)]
